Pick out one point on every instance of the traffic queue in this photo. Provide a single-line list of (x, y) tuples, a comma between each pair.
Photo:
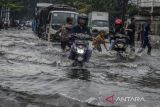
[(63, 23)]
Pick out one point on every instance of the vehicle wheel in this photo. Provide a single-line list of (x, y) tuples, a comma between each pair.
[(79, 64)]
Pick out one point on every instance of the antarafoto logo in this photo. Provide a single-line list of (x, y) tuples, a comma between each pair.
[(112, 99)]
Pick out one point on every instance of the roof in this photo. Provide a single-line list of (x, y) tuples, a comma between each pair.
[(44, 4), (150, 3), (147, 11), (62, 7), (64, 12)]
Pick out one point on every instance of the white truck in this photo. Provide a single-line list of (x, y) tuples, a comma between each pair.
[(40, 6), (99, 21), (52, 18), (57, 18)]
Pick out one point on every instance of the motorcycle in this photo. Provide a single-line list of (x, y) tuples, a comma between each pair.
[(120, 45), (79, 48)]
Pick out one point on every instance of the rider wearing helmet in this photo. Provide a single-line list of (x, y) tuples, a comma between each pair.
[(82, 25), (118, 29), (119, 26), (84, 29)]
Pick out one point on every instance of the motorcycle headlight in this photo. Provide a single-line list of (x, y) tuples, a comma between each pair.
[(80, 51)]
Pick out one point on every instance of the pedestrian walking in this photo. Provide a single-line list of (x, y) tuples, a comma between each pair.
[(146, 38)]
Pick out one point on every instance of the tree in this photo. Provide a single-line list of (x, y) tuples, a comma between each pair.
[(13, 4), (117, 8), (132, 10)]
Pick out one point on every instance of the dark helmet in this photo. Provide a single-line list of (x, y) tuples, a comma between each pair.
[(83, 18)]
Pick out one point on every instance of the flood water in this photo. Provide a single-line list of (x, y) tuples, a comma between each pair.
[(35, 73)]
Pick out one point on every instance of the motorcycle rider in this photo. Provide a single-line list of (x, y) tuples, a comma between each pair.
[(82, 26), (119, 26), (84, 29), (118, 29)]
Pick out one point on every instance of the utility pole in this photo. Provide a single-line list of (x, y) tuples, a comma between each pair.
[(152, 10), (138, 5), (124, 4)]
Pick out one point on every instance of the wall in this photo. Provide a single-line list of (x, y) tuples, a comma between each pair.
[(155, 25), (149, 3)]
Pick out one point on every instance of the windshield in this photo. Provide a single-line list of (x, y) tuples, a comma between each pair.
[(59, 18), (100, 23)]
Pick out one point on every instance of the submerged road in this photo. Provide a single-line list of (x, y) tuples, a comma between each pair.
[(35, 73)]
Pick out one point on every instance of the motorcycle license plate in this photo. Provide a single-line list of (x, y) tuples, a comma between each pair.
[(80, 58), (120, 46)]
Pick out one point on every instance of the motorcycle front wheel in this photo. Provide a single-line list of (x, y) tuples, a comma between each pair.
[(77, 63)]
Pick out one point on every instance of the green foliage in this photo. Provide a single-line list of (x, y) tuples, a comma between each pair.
[(132, 10), (83, 7), (116, 8), (13, 4)]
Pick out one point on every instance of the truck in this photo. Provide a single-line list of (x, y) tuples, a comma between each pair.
[(40, 6), (38, 9), (98, 21), (52, 18)]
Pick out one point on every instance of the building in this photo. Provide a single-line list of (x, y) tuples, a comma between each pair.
[(5, 14), (148, 9)]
